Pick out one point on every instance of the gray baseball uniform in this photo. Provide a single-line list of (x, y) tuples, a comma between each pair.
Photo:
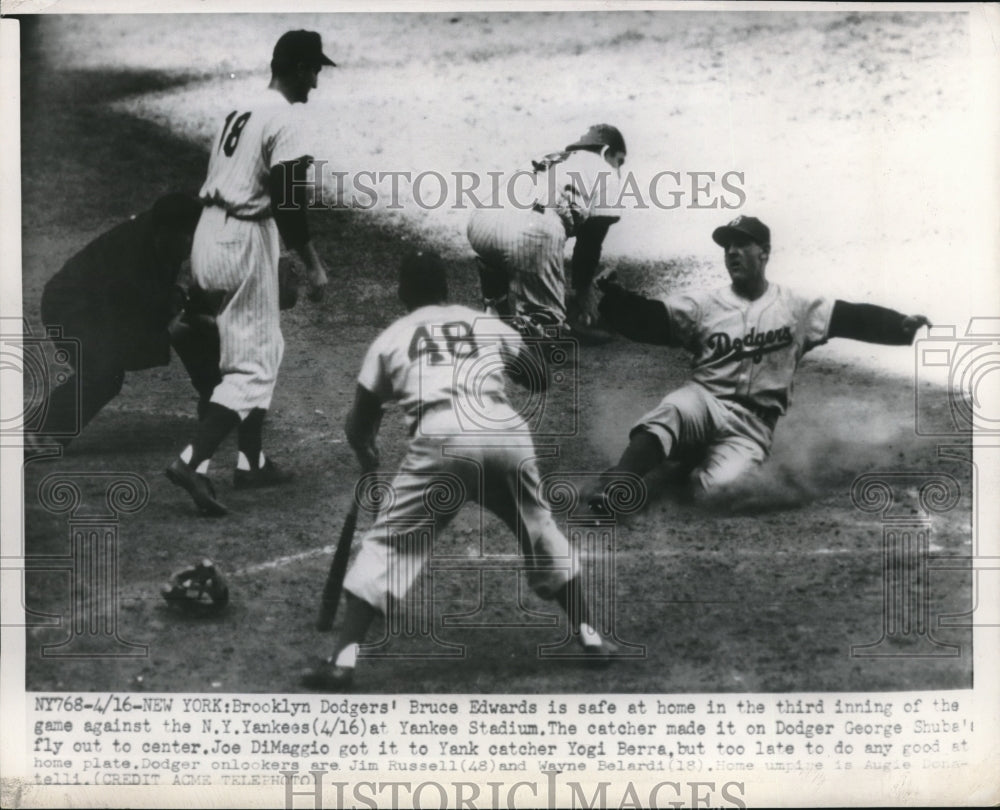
[(746, 342), (444, 365), (745, 354)]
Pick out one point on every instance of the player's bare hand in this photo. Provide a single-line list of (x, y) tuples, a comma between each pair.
[(178, 327), (911, 323), (315, 272), (316, 281)]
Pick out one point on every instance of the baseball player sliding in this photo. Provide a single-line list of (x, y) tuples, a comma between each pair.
[(254, 191), (520, 250), (444, 364), (747, 340)]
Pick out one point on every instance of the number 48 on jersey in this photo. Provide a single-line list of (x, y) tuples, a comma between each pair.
[(453, 341)]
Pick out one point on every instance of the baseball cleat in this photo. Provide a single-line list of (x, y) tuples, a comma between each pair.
[(198, 487), (327, 677), (270, 475)]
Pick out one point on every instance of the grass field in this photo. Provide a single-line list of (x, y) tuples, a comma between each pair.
[(838, 120)]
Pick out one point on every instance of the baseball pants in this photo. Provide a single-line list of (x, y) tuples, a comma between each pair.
[(723, 439), (240, 258), (494, 472), (526, 246)]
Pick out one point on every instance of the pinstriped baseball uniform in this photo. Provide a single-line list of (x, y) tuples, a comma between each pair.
[(528, 244), (236, 246), (443, 364), (745, 354)]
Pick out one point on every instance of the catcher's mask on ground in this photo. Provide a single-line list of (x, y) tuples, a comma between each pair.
[(199, 590), (422, 279)]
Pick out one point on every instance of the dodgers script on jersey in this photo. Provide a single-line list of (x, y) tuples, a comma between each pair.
[(439, 354), (578, 185), (744, 349), (253, 137)]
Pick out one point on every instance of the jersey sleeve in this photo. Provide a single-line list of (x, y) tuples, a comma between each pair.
[(288, 139), (684, 316), (815, 320), (374, 375)]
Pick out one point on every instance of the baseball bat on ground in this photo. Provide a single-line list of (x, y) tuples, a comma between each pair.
[(338, 568)]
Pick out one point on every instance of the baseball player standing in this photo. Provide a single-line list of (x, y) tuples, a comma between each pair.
[(445, 365), (520, 249), (746, 340), (254, 191)]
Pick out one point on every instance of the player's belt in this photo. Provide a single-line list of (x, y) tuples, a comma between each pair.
[(427, 409), (769, 416), (265, 214)]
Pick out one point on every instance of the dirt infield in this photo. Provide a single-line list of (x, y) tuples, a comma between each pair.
[(765, 592)]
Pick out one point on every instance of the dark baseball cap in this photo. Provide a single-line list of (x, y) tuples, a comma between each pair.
[(422, 278), (743, 227), (300, 46), (600, 135)]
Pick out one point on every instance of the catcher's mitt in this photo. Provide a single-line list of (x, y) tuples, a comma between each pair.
[(200, 590), (288, 283)]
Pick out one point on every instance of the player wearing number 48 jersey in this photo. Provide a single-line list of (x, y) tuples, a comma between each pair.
[(444, 364), (255, 191), (746, 340)]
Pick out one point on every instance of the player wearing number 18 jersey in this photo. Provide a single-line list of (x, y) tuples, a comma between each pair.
[(255, 191), (444, 364)]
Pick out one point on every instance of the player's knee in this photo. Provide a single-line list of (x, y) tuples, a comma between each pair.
[(714, 485), (647, 448)]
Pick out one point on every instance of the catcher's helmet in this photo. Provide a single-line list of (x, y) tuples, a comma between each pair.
[(600, 135), (200, 589)]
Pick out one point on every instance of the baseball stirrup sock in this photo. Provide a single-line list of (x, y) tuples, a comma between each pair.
[(358, 617), (187, 453), (347, 657), (250, 438), (644, 452), (243, 463), (216, 425), (571, 600), (589, 637)]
